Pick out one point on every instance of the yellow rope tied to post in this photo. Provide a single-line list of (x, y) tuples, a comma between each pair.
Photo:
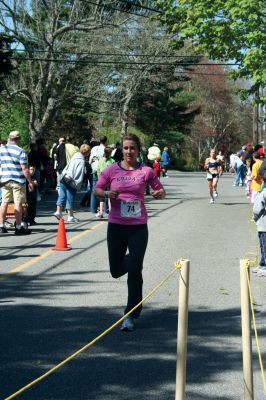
[(62, 363), (255, 326), (254, 262)]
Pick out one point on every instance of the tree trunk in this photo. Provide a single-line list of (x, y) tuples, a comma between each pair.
[(256, 120), (125, 115), (40, 120)]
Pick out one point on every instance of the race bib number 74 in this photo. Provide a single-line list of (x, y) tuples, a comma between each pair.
[(130, 209)]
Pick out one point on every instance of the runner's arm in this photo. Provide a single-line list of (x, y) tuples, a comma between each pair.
[(111, 194), (206, 164)]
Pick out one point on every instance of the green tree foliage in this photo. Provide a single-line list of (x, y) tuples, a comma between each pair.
[(70, 51), (223, 29), (50, 33), (14, 116), (162, 108)]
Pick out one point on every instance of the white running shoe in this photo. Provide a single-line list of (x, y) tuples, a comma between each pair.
[(58, 215), (99, 215), (215, 194), (257, 269), (127, 324), (261, 271), (72, 220), (211, 200)]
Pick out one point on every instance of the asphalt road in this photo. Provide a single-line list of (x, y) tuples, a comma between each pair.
[(53, 303)]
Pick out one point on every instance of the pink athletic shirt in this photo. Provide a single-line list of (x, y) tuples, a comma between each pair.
[(129, 207)]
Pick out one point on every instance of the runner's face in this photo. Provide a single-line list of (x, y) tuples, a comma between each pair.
[(212, 154), (130, 151)]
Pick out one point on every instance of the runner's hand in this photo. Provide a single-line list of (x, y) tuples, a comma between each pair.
[(158, 194), (112, 194)]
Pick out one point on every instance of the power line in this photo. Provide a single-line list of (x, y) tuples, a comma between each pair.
[(116, 9), (140, 6), (119, 9), (109, 54), (118, 62), (132, 28), (198, 73)]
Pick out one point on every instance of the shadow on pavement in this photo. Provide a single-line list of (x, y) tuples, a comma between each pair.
[(122, 366)]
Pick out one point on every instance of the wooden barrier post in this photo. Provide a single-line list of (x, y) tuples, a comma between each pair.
[(246, 333), (182, 331)]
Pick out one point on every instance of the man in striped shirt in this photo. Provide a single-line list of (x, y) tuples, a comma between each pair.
[(14, 172)]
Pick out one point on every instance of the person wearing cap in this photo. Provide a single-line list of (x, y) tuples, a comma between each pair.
[(259, 149), (14, 173), (153, 153)]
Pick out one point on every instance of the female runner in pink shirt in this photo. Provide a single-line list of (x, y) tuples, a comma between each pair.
[(127, 222)]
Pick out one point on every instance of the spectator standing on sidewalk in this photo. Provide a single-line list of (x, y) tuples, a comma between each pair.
[(255, 176), (117, 153), (15, 171), (32, 197), (259, 213), (46, 176), (97, 153), (165, 161), (153, 153), (157, 168), (220, 157), (86, 200), (240, 169), (34, 159), (71, 181), (60, 156), (70, 148), (104, 162)]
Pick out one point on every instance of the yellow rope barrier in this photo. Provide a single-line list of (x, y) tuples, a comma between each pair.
[(254, 262), (56, 367), (255, 327)]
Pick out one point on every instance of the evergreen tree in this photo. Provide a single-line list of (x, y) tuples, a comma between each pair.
[(162, 108)]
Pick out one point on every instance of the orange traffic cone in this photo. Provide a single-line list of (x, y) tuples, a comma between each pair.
[(61, 241)]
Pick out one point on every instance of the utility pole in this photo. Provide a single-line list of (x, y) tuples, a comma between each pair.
[(261, 117), (256, 119)]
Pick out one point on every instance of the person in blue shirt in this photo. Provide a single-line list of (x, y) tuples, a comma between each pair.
[(165, 161)]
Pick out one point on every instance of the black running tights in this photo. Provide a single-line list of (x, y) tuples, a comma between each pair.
[(126, 247)]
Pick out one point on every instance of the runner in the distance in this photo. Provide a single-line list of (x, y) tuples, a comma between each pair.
[(214, 171), (127, 226)]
